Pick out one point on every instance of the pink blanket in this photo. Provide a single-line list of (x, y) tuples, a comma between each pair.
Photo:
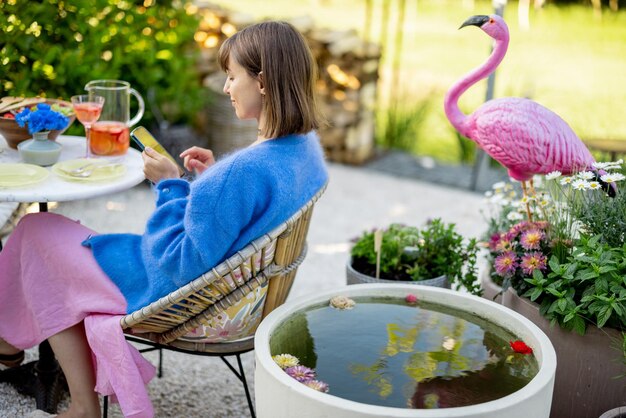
[(50, 282)]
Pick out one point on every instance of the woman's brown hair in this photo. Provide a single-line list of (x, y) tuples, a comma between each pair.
[(279, 54)]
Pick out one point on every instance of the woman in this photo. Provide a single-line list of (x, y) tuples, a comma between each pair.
[(270, 77)]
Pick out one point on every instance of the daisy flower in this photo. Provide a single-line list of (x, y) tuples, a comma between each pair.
[(586, 175), (553, 175), (317, 385), (506, 264), (566, 180), (531, 239), (514, 216), (580, 184), (300, 373), (285, 361), (612, 177), (533, 261), (594, 185)]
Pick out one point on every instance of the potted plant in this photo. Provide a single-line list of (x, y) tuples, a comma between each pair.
[(435, 255), (565, 269)]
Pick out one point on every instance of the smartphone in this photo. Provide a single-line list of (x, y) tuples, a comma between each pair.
[(143, 138)]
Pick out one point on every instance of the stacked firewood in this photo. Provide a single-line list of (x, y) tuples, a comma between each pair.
[(346, 88)]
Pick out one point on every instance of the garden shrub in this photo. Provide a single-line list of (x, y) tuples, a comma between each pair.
[(54, 47)]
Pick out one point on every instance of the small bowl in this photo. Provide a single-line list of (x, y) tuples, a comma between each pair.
[(14, 134)]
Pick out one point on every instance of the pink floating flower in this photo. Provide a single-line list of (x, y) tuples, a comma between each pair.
[(520, 347), (411, 299), (531, 239), (533, 261), (300, 373), (506, 264), (505, 244), (317, 385)]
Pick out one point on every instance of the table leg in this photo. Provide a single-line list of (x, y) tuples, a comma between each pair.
[(42, 379)]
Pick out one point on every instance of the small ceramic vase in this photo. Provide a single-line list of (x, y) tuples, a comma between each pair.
[(39, 150)]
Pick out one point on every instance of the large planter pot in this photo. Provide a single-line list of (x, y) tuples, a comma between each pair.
[(491, 290), (586, 384), (280, 396), (615, 413), (355, 277)]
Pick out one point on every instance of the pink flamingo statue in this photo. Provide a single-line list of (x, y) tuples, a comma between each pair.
[(520, 134)]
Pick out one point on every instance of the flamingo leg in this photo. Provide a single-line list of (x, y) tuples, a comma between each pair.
[(531, 185), (525, 194)]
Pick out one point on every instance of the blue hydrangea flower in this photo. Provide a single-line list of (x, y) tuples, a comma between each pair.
[(42, 119)]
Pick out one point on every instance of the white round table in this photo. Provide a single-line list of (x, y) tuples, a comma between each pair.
[(56, 189)]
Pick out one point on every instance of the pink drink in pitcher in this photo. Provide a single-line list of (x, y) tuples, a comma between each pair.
[(109, 138)]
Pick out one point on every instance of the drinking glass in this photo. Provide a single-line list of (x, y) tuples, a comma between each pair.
[(87, 108)]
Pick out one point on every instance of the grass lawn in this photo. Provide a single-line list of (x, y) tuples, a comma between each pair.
[(568, 60)]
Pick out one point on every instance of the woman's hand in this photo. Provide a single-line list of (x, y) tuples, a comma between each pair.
[(197, 159), (156, 167)]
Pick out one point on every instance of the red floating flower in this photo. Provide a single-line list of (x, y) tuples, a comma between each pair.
[(411, 299), (520, 347)]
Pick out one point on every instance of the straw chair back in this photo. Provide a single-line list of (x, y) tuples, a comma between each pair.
[(271, 260)]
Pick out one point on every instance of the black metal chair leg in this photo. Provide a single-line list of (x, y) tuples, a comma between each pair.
[(245, 386)]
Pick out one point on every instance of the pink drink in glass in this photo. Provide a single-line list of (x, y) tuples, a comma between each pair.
[(109, 138)]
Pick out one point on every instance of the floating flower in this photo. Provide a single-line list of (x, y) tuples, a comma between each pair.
[(300, 373), (520, 347), (553, 175), (285, 361), (612, 177), (531, 240), (411, 299), (448, 343), (506, 264), (342, 302), (317, 385), (533, 261)]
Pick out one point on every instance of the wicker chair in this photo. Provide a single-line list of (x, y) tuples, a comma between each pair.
[(269, 262)]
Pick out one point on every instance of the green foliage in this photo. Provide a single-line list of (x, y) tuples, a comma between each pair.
[(399, 125), (53, 48), (603, 215), (412, 254), (589, 286)]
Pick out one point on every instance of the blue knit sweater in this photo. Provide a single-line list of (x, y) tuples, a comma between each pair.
[(197, 225)]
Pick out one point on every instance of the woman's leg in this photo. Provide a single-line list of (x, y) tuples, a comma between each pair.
[(6, 348), (72, 351)]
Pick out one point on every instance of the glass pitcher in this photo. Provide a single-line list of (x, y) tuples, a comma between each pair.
[(111, 134)]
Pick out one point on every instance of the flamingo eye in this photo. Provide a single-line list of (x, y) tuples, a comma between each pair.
[(491, 20)]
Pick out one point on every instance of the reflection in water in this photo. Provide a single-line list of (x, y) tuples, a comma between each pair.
[(384, 352)]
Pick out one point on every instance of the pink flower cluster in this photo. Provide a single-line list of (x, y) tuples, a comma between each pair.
[(521, 247), (305, 375)]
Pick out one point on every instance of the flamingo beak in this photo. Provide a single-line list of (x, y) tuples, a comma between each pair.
[(477, 20)]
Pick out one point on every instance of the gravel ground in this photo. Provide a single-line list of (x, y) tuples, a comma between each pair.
[(356, 199)]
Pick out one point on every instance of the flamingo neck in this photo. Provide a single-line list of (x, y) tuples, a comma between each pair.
[(451, 102)]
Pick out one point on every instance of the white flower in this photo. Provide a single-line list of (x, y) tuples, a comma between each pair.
[(499, 185), (599, 166), (514, 216), (586, 175), (553, 175), (544, 202), (580, 184), (612, 177), (594, 185), (488, 193), (566, 180), (342, 302)]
